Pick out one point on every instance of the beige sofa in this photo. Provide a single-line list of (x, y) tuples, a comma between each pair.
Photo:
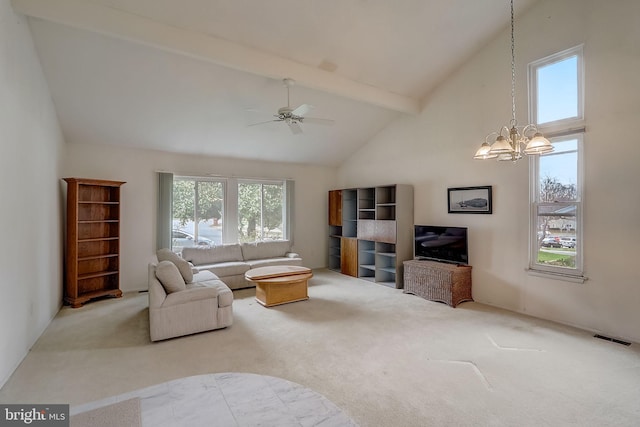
[(230, 262), (177, 308)]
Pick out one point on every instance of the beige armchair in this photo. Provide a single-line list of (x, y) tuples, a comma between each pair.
[(202, 305)]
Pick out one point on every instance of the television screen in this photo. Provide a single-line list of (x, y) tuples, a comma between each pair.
[(446, 244)]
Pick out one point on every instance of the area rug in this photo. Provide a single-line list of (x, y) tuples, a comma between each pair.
[(226, 399), (121, 414)]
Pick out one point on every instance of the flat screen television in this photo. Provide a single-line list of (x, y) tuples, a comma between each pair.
[(445, 244)]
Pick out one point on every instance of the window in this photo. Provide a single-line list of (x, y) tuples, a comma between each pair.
[(557, 208), (260, 211), (208, 212), (197, 217), (556, 178), (556, 94)]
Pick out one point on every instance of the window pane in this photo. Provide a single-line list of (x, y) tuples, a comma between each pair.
[(272, 218), (557, 85), (183, 212), (560, 146), (210, 201), (197, 213), (260, 212), (558, 173), (249, 211), (557, 238)]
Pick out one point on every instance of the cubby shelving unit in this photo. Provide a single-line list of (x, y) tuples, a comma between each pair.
[(366, 203), (380, 219), (366, 259), (349, 213), (334, 253), (386, 263), (92, 250)]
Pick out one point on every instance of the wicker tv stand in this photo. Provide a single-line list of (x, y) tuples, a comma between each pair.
[(438, 281)]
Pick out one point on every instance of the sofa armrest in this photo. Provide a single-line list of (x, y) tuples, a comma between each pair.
[(157, 294), (194, 292), (194, 269)]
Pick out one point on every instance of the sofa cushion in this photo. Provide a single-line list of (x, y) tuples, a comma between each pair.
[(170, 277), (261, 250), (183, 266), (214, 254), (204, 275), (256, 263), (224, 269)]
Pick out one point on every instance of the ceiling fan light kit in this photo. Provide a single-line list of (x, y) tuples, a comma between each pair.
[(293, 117), (516, 140)]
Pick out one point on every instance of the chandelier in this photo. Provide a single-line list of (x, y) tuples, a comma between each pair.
[(513, 140)]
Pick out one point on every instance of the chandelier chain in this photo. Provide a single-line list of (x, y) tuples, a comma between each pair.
[(513, 71)]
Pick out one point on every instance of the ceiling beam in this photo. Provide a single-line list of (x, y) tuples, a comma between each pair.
[(117, 23)]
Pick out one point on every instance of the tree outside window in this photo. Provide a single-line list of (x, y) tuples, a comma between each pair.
[(260, 211), (197, 212)]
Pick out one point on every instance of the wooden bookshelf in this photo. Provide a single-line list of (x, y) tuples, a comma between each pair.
[(92, 250)]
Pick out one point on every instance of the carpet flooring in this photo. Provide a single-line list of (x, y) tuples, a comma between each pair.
[(384, 357), (124, 413)]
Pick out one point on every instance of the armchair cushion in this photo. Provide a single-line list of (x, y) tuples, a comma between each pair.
[(170, 277), (183, 266)]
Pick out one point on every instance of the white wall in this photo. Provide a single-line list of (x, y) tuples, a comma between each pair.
[(434, 151), (139, 197), (30, 153)]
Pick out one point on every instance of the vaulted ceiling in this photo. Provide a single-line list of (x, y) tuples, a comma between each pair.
[(190, 76)]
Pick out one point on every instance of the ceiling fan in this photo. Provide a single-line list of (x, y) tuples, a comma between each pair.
[(293, 117)]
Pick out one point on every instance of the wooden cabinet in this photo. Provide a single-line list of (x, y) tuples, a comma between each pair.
[(349, 259), (380, 221), (335, 208), (92, 246)]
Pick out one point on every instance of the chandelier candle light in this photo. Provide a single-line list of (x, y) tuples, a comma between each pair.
[(515, 140)]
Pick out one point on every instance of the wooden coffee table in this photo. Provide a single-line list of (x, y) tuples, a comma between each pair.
[(279, 284)]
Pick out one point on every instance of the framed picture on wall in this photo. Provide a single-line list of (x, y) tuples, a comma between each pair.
[(475, 200)]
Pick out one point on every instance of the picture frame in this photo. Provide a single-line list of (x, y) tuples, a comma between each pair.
[(470, 200)]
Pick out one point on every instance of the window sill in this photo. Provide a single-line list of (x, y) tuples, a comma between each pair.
[(557, 276)]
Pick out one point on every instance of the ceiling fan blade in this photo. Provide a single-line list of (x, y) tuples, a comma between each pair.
[(318, 121), (263, 123), (295, 127), (302, 110)]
